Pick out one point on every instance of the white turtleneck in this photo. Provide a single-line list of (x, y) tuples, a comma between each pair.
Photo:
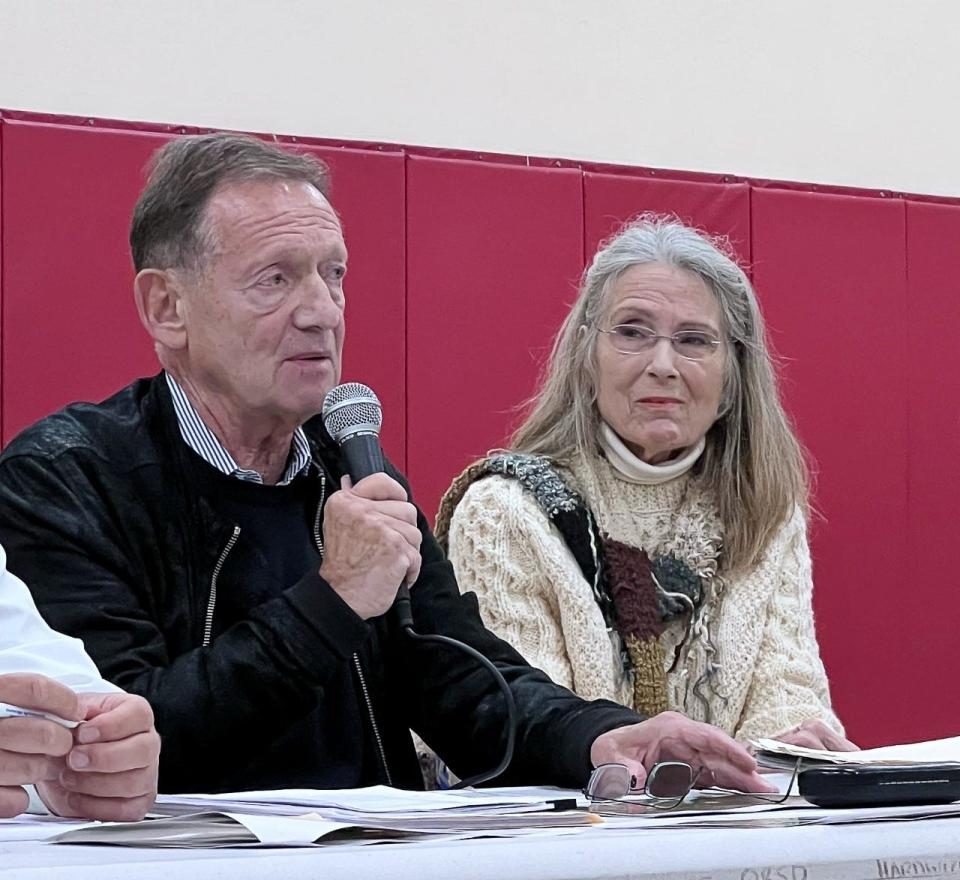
[(636, 470)]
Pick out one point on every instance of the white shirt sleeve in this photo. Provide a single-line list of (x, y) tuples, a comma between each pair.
[(27, 644)]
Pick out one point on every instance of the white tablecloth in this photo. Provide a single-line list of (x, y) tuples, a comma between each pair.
[(879, 851)]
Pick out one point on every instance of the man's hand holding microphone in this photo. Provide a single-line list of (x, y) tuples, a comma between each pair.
[(371, 543)]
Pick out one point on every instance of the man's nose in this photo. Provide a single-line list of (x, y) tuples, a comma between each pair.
[(317, 305)]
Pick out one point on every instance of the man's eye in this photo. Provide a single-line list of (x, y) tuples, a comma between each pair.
[(337, 272), (274, 280)]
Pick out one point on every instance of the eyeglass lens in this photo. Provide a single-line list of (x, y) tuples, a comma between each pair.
[(610, 782), (669, 779), (634, 339)]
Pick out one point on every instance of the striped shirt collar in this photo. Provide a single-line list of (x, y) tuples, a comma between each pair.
[(205, 443)]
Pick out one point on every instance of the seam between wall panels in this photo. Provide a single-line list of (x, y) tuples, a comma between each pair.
[(2, 301), (910, 377), (583, 220), (406, 319)]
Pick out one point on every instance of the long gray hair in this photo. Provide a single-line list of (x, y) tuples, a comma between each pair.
[(753, 462)]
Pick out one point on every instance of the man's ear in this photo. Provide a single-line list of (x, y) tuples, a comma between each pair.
[(160, 305)]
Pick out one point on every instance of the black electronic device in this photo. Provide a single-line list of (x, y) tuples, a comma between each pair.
[(878, 785)]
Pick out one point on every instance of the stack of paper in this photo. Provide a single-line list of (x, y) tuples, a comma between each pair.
[(32, 827), (347, 804), (768, 816), (305, 817), (212, 830), (773, 753)]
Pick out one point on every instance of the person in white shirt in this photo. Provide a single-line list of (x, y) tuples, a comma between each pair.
[(106, 767)]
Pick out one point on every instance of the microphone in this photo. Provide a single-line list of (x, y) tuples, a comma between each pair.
[(352, 416)]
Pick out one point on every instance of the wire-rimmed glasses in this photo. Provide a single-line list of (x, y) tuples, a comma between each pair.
[(692, 345), (667, 785)]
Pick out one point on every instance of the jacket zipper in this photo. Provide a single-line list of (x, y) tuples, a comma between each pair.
[(373, 720), (212, 601), (318, 538)]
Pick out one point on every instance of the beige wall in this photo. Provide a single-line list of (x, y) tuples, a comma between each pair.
[(855, 92)]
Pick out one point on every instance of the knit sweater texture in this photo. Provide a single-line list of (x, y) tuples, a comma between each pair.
[(532, 593)]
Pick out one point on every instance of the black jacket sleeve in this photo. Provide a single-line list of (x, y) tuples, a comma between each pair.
[(72, 538), (459, 709)]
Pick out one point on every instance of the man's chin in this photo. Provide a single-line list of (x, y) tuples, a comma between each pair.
[(311, 379), (310, 405)]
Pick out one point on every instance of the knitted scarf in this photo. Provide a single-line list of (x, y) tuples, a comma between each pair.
[(636, 595)]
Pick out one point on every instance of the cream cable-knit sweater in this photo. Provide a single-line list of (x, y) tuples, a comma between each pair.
[(533, 594)]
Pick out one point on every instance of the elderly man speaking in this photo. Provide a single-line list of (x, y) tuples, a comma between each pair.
[(197, 532)]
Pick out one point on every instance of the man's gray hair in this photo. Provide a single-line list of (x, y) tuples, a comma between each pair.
[(168, 229), (753, 464)]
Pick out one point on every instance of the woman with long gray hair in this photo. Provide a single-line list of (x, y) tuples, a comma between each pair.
[(644, 537)]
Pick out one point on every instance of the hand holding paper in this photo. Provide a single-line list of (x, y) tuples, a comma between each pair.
[(111, 769), (32, 748)]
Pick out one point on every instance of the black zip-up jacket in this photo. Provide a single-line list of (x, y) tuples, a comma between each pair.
[(101, 518)]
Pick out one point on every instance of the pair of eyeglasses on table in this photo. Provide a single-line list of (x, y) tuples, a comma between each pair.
[(667, 785)]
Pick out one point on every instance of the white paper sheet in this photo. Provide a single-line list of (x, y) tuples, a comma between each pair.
[(215, 829), (341, 802), (932, 751), (29, 827), (794, 812)]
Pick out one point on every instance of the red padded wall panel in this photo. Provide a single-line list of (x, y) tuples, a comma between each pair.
[(928, 701), (70, 326), (718, 208), (493, 256), (830, 271), (368, 193), (483, 259)]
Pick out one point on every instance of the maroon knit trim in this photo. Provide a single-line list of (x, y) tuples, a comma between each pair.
[(633, 589)]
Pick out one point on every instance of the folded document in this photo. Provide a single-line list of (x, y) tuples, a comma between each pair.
[(773, 753), (303, 817), (347, 803), (214, 829)]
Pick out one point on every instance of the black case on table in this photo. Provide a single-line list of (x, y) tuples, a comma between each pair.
[(874, 785)]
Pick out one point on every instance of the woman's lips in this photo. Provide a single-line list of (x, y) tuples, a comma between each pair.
[(660, 401)]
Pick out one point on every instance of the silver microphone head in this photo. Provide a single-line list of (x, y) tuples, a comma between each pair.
[(349, 409)]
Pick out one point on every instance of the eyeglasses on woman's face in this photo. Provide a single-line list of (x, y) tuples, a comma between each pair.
[(693, 345), (667, 785)]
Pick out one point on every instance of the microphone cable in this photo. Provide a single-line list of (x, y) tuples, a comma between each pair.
[(352, 416), (486, 776)]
